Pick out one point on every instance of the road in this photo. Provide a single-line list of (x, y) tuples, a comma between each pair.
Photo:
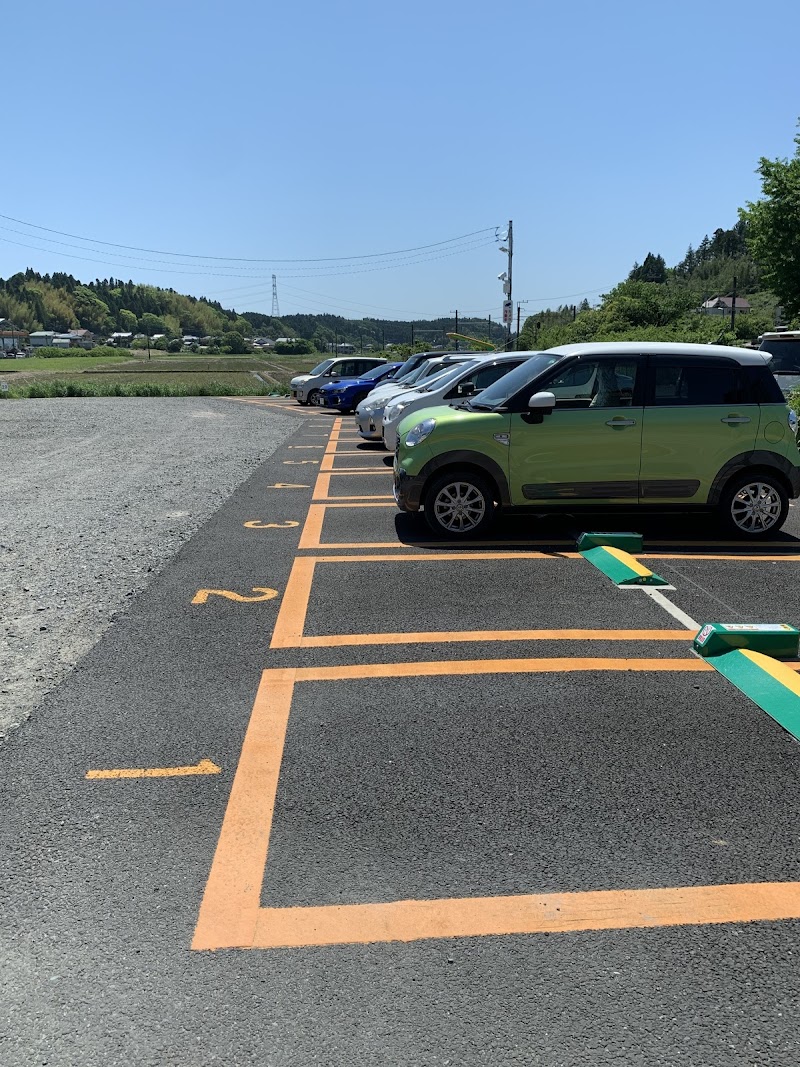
[(331, 792)]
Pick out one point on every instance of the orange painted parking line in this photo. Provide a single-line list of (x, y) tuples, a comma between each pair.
[(231, 917), (327, 465), (550, 913), (291, 621), (312, 527), (347, 504), (229, 911), (445, 637), (541, 665)]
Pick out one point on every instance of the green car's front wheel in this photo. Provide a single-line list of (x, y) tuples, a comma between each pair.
[(459, 504), (754, 505)]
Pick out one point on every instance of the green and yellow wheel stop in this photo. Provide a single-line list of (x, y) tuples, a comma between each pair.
[(611, 554), (776, 639), (628, 542), (748, 655)]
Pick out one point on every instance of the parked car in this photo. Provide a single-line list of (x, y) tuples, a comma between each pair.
[(306, 387), (459, 382), (783, 347), (346, 393), (665, 426), (369, 413)]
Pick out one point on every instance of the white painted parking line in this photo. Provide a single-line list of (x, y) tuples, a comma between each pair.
[(673, 609)]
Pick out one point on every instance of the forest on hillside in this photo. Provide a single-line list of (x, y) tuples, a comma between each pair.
[(656, 302), (59, 302)]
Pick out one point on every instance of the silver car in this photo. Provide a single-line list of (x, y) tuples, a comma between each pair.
[(306, 387), (455, 385), (369, 413)]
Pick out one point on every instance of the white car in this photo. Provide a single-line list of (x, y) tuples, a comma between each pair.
[(369, 413), (306, 387), (455, 384)]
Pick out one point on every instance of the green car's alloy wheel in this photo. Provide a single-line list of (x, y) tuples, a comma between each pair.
[(754, 505), (459, 504)]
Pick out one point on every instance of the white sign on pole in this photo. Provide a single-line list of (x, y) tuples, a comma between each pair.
[(508, 312)]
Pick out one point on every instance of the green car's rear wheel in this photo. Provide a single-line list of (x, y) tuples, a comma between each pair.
[(459, 503), (754, 505)]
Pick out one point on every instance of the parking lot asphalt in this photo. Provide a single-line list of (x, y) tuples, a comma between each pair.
[(467, 805)]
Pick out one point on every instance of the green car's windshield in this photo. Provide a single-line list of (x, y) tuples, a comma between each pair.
[(498, 394)]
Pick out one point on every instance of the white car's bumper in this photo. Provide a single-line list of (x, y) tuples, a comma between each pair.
[(370, 425)]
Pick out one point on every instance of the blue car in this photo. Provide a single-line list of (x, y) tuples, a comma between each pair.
[(348, 393)]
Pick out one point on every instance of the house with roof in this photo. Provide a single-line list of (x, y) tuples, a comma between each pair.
[(11, 337), (42, 338), (723, 305)]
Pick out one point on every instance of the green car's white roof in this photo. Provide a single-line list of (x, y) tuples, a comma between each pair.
[(660, 348)]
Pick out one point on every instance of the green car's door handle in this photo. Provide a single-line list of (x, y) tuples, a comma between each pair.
[(621, 422), (735, 420)]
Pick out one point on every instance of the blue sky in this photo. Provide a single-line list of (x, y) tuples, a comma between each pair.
[(249, 130)]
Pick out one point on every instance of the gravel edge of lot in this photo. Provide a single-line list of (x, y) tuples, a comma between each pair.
[(97, 495)]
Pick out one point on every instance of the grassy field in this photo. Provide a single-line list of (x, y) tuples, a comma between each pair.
[(167, 375)]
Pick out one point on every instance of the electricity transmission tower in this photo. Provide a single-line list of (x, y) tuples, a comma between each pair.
[(275, 311)]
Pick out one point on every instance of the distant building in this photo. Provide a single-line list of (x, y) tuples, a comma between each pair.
[(120, 339), (723, 305), (11, 338), (82, 338), (42, 338)]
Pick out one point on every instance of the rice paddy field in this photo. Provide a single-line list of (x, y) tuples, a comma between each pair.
[(124, 374)]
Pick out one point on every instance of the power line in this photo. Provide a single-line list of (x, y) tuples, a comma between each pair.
[(240, 259), (414, 260)]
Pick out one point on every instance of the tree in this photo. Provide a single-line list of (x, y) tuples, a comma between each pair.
[(654, 269), (127, 320), (774, 227), (150, 324), (235, 343)]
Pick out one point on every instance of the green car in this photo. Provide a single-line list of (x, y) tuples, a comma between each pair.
[(597, 426)]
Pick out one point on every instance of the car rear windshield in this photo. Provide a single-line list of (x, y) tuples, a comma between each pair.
[(320, 367), (498, 394), (785, 356)]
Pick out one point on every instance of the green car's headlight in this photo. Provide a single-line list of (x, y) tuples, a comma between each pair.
[(793, 421), (417, 434)]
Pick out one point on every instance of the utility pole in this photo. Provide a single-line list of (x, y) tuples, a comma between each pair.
[(733, 305), (383, 339), (506, 279), (510, 259), (457, 328), (519, 305)]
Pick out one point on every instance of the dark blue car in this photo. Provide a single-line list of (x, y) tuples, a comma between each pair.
[(349, 392)]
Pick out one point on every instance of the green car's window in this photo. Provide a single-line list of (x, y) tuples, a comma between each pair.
[(693, 385), (594, 383)]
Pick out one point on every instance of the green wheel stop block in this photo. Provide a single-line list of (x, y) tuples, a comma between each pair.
[(776, 639), (628, 542)]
